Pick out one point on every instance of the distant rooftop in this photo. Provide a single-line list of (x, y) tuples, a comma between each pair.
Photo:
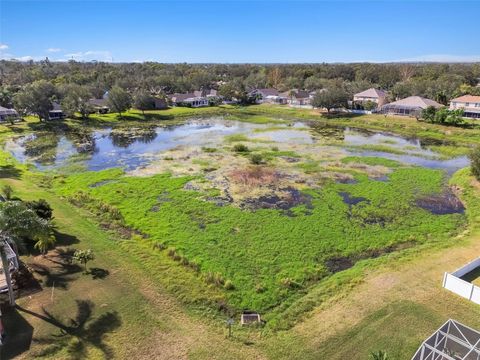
[(467, 98), (372, 93), (416, 102)]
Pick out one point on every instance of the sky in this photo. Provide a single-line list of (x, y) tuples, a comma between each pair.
[(248, 31)]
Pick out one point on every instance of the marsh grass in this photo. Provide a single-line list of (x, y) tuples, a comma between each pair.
[(238, 244)]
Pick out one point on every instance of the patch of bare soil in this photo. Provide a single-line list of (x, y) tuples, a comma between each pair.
[(441, 204)]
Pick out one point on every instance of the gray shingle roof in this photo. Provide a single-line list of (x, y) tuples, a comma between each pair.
[(416, 102), (372, 93)]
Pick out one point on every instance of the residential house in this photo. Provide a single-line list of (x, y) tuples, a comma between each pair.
[(410, 106), (188, 99), (7, 114), (470, 105), (100, 106), (56, 113), (264, 95), (297, 97), (208, 93), (371, 95)]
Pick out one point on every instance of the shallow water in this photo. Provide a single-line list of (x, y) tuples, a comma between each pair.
[(139, 147)]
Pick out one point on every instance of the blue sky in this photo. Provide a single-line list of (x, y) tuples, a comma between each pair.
[(241, 31)]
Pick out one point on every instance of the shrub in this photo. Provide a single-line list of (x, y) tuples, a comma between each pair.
[(159, 246), (256, 159), (7, 191), (209, 149), (241, 148), (228, 285), (42, 208), (83, 256), (475, 162), (259, 288), (290, 283), (215, 279)]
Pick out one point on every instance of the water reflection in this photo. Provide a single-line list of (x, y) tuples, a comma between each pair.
[(131, 148)]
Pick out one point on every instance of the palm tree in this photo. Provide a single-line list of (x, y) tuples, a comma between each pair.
[(17, 222)]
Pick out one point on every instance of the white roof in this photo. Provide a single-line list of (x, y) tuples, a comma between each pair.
[(416, 102), (372, 93)]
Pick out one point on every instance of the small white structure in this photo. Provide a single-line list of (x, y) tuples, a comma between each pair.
[(12, 264), (455, 283), (264, 95), (250, 318), (452, 341)]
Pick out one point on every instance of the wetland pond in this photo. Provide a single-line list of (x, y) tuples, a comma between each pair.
[(132, 148), (321, 199)]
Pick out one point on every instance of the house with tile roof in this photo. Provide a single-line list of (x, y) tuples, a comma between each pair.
[(470, 105), (410, 106), (373, 95)]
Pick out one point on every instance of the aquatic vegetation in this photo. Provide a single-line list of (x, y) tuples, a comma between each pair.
[(267, 246), (371, 160)]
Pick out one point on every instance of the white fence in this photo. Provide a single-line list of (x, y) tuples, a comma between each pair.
[(454, 283)]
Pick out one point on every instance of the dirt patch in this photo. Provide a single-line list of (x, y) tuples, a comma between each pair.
[(101, 183), (283, 199), (255, 176), (442, 204), (340, 263)]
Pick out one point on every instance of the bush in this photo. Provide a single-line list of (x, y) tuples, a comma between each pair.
[(228, 285), (7, 191), (215, 279), (42, 208), (443, 116), (159, 246), (475, 162), (241, 148), (209, 149), (256, 159)]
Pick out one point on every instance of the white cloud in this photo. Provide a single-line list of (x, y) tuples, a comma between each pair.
[(443, 58), (53, 50), (3, 46), (90, 55), (6, 56)]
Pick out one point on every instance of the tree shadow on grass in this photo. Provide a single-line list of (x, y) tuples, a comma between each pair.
[(77, 334), (10, 172), (61, 273), (65, 239), (18, 332), (98, 273)]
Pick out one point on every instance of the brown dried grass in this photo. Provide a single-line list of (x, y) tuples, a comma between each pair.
[(255, 176)]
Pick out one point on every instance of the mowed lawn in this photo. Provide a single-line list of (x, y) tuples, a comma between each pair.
[(122, 314)]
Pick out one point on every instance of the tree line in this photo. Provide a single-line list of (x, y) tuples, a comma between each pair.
[(72, 82)]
